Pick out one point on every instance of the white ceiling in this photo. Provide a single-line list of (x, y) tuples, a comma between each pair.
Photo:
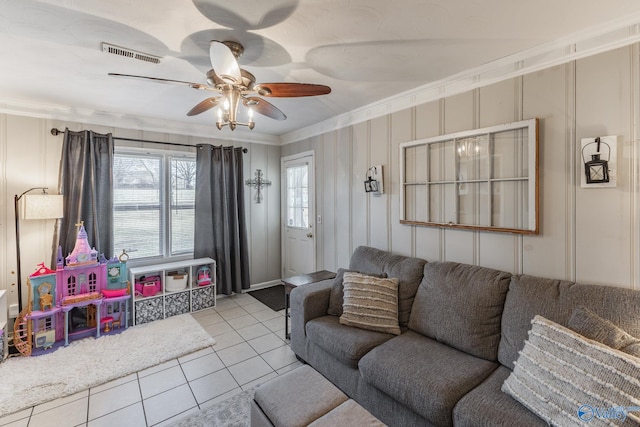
[(365, 50)]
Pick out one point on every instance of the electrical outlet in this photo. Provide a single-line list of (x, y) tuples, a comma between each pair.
[(319, 219), (13, 310)]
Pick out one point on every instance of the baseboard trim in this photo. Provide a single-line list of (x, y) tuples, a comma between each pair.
[(262, 285)]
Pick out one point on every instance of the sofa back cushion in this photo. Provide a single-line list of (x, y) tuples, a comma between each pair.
[(407, 270), (556, 300), (461, 305)]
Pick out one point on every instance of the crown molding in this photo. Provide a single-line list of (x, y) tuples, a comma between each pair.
[(609, 36), (122, 121)]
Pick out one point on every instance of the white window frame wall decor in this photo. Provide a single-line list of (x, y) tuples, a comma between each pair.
[(481, 179)]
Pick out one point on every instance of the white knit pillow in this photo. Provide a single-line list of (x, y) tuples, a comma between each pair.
[(567, 379), (370, 303)]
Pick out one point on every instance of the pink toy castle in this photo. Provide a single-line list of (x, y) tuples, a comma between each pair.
[(87, 296)]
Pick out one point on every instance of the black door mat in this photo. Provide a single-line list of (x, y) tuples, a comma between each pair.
[(273, 297)]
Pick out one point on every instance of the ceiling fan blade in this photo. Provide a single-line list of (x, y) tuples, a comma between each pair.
[(263, 107), (283, 90), (224, 63), (205, 105), (160, 80)]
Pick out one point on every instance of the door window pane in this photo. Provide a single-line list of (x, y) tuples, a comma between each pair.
[(298, 196)]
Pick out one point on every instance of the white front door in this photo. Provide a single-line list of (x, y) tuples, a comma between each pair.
[(298, 213)]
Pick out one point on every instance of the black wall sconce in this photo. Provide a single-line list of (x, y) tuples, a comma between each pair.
[(373, 182), (597, 170)]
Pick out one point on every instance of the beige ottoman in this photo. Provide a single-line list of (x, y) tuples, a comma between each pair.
[(302, 397)]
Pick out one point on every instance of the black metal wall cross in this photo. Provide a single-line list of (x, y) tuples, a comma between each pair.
[(258, 182)]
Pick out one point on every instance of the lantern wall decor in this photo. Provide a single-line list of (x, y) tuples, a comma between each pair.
[(599, 158), (373, 182)]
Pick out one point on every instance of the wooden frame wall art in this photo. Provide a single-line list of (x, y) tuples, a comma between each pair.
[(482, 179)]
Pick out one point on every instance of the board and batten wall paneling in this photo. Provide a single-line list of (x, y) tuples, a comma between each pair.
[(378, 209), (5, 275), (545, 96), (264, 217), (359, 200), (273, 235), (401, 237), (343, 184), (603, 215), (588, 235), (324, 230), (31, 156)]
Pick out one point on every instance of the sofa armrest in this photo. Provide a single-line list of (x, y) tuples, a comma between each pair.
[(307, 302)]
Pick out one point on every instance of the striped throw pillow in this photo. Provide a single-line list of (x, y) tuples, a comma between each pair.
[(370, 303), (567, 379)]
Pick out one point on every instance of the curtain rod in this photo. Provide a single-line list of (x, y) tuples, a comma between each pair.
[(56, 132)]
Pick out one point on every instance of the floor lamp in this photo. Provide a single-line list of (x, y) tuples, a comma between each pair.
[(36, 206)]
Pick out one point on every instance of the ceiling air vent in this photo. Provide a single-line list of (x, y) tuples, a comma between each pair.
[(129, 53)]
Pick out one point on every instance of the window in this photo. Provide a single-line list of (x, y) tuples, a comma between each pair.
[(153, 203), (298, 196)]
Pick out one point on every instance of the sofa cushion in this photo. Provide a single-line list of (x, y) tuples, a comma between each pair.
[(368, 260), (370, 303), (461, 305), (486, 404), (345, 343), (409, 270), (559, 370), (555, 300), (423, 374), (590, 325), (336, 298)]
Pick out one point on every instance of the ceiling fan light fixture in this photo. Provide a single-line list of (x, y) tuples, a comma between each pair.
[(235, 85)]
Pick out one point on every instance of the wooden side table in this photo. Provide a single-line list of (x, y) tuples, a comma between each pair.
[(292, 282)]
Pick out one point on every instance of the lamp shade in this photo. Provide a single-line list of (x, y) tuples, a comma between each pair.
[(43, 206)]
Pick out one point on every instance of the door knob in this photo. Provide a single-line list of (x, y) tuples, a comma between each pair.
[(309, 235)]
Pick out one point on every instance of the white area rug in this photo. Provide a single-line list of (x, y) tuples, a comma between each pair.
[(29, 381)]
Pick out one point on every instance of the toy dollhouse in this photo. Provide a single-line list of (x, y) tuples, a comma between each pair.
[(86, 295)]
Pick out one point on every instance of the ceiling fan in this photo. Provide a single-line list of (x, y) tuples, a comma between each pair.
[(235, 84)]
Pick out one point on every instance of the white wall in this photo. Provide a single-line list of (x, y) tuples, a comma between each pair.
[(587, 235), (30, 157)]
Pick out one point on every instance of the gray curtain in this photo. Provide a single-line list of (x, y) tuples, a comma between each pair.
[(220, 226), (86, 181)]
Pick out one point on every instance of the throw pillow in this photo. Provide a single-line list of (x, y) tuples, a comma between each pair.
[(565, 378), (590, 325), (370, 303), (336, 296)]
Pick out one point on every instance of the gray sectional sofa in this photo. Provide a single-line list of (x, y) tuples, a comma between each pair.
[(462, 329)]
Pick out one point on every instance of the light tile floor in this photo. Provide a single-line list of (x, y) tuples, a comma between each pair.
[(250, 349)]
